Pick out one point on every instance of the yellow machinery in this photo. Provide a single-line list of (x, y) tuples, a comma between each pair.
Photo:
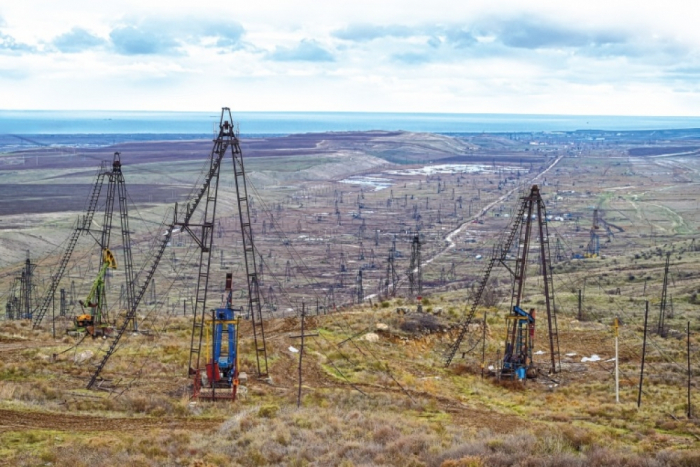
[(90, 320)]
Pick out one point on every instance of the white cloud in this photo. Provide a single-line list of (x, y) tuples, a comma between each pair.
[(478, 56)]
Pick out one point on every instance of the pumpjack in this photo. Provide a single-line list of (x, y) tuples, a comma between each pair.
[(92, 319), (520, 337), (221, 347)]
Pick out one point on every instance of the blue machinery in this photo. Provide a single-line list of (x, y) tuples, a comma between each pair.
[(220, 378), (520, 336)]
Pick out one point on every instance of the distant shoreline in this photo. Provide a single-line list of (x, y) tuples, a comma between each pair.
[(258, 124)]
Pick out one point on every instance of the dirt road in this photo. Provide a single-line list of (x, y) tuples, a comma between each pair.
[(15, 420)]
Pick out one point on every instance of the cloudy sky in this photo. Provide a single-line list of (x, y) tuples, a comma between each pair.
[(614, 57)]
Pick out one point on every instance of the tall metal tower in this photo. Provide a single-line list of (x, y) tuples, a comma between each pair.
[(593, 248), (359, 289), (661, 329), (415, 271), (26, 295), (391, 279), (531, 203), (521, 227), (202, 233)]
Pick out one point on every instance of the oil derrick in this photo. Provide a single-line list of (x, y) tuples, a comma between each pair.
[(501, 252), (359, 291), (415, 272), (262, 269), (12, 306), (330, 298), (363, 228), (226, 140), (593, 248), (519, 316), (343, 265), (376, 237), (271, 300), (372, 259), (288, 272), (117, 186), (361, 253), (661, 328), (391, 278), (26, 291), (451, 274), (116, 190), (558, 251)]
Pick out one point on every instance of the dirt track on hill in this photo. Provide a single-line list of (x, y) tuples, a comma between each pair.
[(14, 420)]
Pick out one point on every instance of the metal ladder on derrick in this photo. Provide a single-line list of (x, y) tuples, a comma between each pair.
[(499, 253), (131, 313), (204, 238), (81, 226), (147, 272)]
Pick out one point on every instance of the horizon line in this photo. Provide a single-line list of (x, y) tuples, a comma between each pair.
[(382, 112)]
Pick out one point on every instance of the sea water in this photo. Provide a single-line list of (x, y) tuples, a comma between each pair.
[(39, 122)]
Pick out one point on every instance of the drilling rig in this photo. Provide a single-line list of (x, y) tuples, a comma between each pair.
[(520, 324), (202, 233), (116, 191)]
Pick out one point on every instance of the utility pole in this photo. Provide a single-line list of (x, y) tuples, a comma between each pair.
[(360, 291), (644, 349), (580, 308), (616, 325), (688, 352), (302, 336), (661, 330)]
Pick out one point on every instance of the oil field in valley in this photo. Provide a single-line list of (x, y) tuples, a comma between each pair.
[(359, 298)]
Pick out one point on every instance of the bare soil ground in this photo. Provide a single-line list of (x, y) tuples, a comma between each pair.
[(325, 207)]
